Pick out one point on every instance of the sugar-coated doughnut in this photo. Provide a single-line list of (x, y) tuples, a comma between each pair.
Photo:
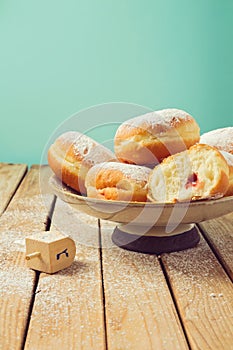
[(72, 155), (148, 139), (117, 181), (229, 159), (220, 138), (198, 173)]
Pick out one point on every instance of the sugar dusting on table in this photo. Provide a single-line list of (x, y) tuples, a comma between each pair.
[(193, 274)]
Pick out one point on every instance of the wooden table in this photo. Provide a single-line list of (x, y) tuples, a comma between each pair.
[(109, 298)]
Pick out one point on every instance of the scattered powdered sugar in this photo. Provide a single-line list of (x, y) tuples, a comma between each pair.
[(91, 151), (196, 275), (83, 145), (164, 118), (16, 281), (98, 154), (70, 301), (130, 171), (28, 215), (23, 217), (69, 135), (138, 300), (221, 138), (12, 241)]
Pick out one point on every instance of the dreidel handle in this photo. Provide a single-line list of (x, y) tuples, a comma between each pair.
[(32, 255)]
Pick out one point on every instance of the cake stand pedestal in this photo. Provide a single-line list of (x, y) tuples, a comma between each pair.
[(156, 240)]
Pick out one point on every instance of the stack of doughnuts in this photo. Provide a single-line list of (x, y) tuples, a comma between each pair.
[(158, 157)]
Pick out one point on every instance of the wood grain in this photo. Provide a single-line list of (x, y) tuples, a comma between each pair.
[(203, 293), (10, 178), (219, 233), (108, 295), (68, 309), (25, 214), (140, 313)]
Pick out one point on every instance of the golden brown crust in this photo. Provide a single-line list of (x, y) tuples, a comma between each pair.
[(117, 181), (150, 138), (72, 155)]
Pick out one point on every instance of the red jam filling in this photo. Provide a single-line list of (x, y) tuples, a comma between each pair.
[(192, 180)]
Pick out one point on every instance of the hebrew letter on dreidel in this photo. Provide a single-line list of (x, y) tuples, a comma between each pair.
[(64, 252)]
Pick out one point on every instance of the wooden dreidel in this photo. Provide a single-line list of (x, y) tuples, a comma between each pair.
[(49, 251)]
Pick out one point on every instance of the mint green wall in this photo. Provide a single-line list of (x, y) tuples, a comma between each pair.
[(57, 57)]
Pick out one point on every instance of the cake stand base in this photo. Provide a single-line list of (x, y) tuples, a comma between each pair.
[(155, 241)]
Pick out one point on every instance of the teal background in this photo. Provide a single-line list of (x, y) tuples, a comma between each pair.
[(58, 57)]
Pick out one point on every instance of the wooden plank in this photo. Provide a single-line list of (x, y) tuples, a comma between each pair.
[(10, 178), (203, 293), (140, 313), (25, 214), (219, 233), (68, 308)]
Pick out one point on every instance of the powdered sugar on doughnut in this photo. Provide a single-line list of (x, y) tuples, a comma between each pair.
[(134, 172), (165, 119), (81, 143), (221, 138), (98, 154)]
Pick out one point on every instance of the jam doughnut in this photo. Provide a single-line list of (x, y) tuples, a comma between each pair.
[(198, 173)]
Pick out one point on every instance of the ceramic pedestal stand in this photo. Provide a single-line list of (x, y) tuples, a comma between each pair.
[(156, 240)]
